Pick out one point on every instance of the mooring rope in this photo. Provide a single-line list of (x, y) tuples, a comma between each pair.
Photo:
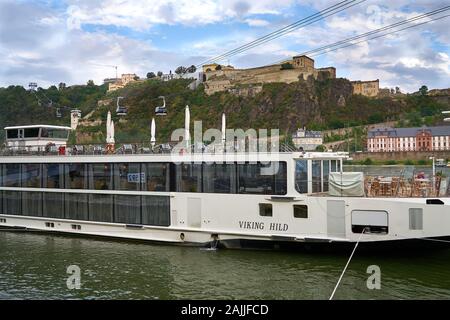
[(345, 268)]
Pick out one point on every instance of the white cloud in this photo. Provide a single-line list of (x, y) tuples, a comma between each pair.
[(142, 15), (54, 53), (257, 22)]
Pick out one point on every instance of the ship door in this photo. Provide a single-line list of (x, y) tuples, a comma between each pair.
[(336, 218), (194, 212)]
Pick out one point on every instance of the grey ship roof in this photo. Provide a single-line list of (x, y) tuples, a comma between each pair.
[(409, 132)]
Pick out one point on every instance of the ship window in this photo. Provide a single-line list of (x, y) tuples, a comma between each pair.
[(189, 177), (11, 203), (12, 134), (279, 172), (316, 176), (370, 221), (101, 176), (54, 133), (31, 175), (156, 210), (262, 178), (101, 207), (53, 205), (49, 224), (219, 178), (300, 211), (127, 209), (76, 176), (156, 177), (326, 174), (76, 206), (434, 201), (76, 227), (11, 175), (32, 204), (128, 176), (53, 174), (301, 176), (31, 133), (265, 210), (333, 165)]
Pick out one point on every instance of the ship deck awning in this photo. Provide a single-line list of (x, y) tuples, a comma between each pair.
[(38, 126)]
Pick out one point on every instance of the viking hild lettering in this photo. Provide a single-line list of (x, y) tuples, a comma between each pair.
[(251, 225), (278, 227)]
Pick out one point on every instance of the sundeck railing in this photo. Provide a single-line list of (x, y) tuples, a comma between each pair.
[(126, 148), (398, 186)]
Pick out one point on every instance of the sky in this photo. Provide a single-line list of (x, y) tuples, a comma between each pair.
[(73, 41)]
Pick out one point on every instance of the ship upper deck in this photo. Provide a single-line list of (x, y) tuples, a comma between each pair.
[(163, 152)]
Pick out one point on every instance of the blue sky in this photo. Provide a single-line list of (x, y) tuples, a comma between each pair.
[(66, 41)]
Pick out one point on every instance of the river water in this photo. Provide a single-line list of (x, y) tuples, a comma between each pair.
[(34, 266)]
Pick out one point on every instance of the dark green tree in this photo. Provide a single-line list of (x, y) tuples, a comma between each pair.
[(423, 90), (180, 70), (191, 69)]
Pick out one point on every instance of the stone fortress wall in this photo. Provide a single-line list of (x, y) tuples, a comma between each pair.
[(219, 78)]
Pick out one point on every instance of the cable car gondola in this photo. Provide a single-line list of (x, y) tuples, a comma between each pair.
[(121, 110), (161, 110)]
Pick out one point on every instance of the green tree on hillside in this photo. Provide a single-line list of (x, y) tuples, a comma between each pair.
[(151, 75), (191, 69), (423, 90), (180, 70)]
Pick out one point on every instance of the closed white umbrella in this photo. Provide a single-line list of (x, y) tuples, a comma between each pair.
[(224, 126), (108, 127), (153, 133), (111, 132), (187, 120)]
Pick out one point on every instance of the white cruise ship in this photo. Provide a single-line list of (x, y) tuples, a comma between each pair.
[(229, 199)]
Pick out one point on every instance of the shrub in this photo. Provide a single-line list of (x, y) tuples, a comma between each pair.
[(422, 162)]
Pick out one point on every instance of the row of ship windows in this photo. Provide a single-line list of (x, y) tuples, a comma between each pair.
[(128, 209), (248, 178), (299, 210)]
